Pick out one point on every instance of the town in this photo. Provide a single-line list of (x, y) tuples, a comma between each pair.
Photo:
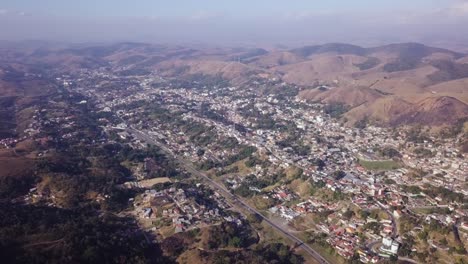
[(379, 188), (366, 193)]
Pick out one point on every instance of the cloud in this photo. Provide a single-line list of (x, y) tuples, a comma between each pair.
[(3, 11)]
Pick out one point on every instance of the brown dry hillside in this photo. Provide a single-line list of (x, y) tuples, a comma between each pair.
[(274, 59), (456, 88), (387, 84), (403, 75), (233, 71), (380, 111), (406, 73), (352, 96), (463, 60), (328, 67), (434, 111)]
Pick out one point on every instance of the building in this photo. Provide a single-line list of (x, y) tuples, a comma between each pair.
[(389, 246)]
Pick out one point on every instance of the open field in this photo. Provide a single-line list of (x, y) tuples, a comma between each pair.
[(150, 182), (380, 164)]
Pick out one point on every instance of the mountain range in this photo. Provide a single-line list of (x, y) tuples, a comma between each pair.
[(397, 84)]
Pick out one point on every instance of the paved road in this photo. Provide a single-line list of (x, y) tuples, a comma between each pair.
[(394, 224), (408, 260), (141, 135), (372, 244), (223, 191), (428, 207)]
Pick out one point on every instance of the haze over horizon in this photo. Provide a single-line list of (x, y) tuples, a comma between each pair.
[(261, 22)]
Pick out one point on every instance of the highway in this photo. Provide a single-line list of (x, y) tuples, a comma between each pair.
[(145, 137), (226, 193)]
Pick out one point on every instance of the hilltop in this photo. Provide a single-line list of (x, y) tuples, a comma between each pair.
[(376, 83)]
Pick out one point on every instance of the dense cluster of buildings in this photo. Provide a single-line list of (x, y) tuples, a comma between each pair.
[(313, 141)]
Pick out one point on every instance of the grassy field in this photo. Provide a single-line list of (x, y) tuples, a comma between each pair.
[(150, 182), (331, 257), (379, 165)]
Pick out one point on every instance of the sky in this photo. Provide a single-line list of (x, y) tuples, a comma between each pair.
[(252, 22)]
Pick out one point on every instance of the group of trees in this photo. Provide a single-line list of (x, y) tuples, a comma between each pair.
[(390, 153), (338, 175), (445, 194), (230, 235), (14, 186), (32, 234), (371, 62), (423, 152), (243, 153), (335, 110), (260, 183), (274, 253)]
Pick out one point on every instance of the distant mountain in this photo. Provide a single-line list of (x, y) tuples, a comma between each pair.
[(408, 77), (413, 50), (338, 48), (278, 58), (386, 84), (237, 73)]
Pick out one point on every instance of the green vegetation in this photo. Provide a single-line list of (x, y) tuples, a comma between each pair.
[(336, 110), (390, 153), (316, 186), (338, 175), (263, 253), (373, 226), (402, 64), (221, 172), (413, 189), (31, 234), (230, 235), (370, 63), (445, 194), (423, 153), (379, 165), (244, 152), (407, 223), (11, 187)]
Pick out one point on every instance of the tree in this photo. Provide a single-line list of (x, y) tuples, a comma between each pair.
[(200, 152), (254, 218), (235, 242), (319, 163), (348, 214), (338, 175), (364, 214), (444, 242)]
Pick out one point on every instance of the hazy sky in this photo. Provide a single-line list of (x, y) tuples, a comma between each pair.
[(237, 21)]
